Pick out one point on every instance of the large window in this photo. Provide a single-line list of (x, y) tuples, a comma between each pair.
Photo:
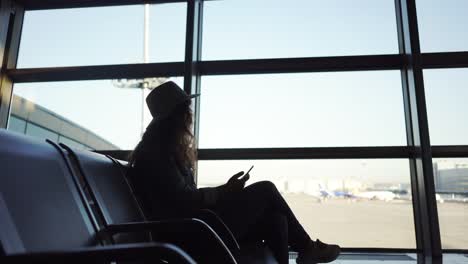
[(252, 29), (302, 110), (323, 97), (356, 203), (104, 35), (102, 114)]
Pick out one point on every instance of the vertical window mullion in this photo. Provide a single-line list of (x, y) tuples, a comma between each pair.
[(193, 45), (11, 22), (422, 180)]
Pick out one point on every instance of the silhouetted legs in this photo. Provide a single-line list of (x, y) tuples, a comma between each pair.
[(259, 212), (273, 230)]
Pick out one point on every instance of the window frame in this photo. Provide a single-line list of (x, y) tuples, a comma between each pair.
[(410, 61)]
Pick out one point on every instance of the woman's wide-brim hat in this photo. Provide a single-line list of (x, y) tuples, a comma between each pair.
[(163, 99)]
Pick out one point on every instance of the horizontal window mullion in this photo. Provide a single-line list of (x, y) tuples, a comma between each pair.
[(306, 153), (317, 153), (312, 64), (292, 153), (460, 151), (58, 4), (320, 64), (78, 73), (444, 60)]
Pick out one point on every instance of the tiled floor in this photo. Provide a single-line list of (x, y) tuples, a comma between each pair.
[(377, 258)]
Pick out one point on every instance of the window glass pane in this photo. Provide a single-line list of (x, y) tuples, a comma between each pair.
[(17, 124), (454, 258), (167, 32), (98, 114), (442, 25), (247, 29), (302, 110), (40, 132), (102, 35), (355, 203), (451, 183), (446, 97)]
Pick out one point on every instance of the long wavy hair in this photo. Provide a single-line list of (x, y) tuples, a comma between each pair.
[(170, 137)]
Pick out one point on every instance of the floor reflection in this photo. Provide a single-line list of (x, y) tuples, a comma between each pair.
[(393, 258)]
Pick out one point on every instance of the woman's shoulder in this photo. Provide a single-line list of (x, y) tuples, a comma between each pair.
[(154, 162)]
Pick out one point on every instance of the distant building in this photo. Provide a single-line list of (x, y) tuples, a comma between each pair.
[(34, 120), (452, 180)]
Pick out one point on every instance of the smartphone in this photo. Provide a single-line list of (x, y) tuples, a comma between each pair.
[(248, 177)]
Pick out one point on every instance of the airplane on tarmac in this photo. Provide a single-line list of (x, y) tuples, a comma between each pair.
[(324, 193), (370, 195), (377, 195)]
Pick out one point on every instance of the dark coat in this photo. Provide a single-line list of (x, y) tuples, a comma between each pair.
[(166, 190)]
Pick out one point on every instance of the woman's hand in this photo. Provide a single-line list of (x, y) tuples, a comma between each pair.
[(236, 183)]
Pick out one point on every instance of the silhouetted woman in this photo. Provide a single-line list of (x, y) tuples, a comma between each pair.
[(162, 173)]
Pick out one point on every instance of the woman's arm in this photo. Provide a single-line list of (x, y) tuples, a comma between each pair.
[(169, 187), (177, 188)]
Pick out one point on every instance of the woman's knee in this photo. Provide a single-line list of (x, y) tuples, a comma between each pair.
[(264, 187)]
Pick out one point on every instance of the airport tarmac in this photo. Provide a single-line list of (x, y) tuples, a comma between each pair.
[(373, 223)]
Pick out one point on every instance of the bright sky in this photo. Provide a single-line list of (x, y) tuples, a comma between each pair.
[(281, 110)]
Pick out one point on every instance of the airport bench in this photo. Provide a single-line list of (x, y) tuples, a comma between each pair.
[(109, 189), (61, 205), (122, 219), (43, 218)]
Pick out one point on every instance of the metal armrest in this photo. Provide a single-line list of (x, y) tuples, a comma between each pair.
[(215, 222), (192, 235), (123, 252), (178, 224)]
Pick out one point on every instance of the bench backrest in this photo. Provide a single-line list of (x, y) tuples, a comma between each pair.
[(40, 207), (113, 194)]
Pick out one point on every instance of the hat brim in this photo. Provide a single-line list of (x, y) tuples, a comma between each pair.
[(189, 97)]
